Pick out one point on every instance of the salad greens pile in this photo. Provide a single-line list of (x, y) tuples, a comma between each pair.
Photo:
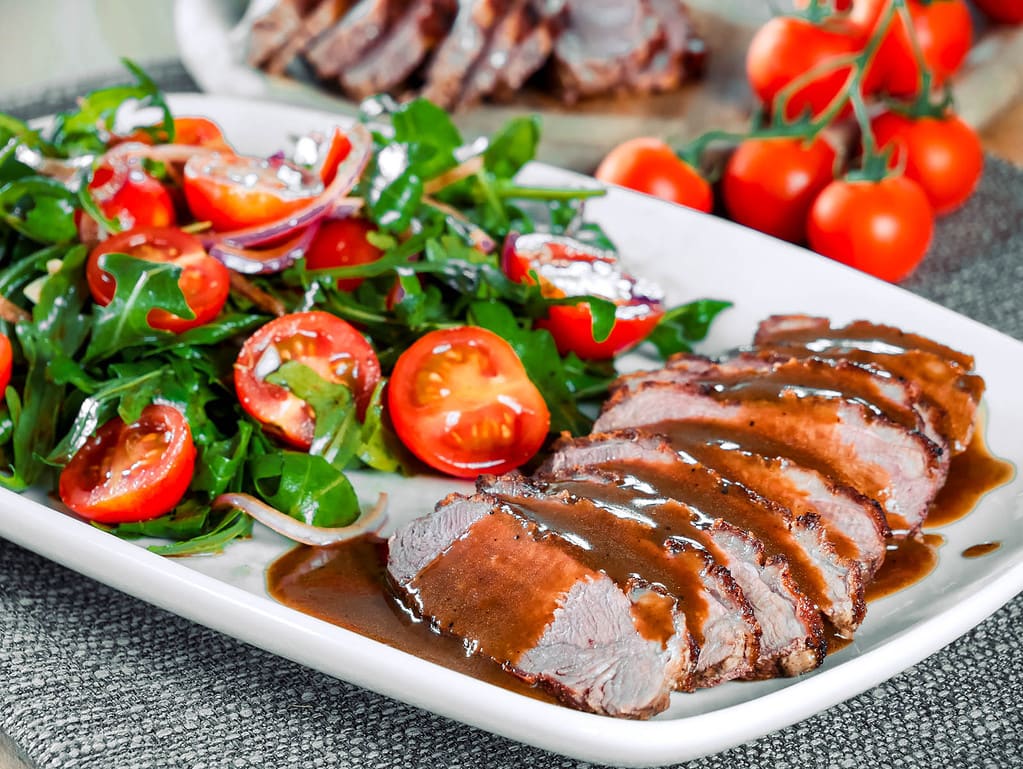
[(77, 364)]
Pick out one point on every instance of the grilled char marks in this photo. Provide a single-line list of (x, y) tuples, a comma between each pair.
[(478, 571)]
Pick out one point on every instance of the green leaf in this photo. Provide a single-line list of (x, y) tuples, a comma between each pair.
[(683, 326), (39, 208), (429, 134), (306, 487), (513, 146), (220, 465), (392, 204), (232, 527), (380, 447)]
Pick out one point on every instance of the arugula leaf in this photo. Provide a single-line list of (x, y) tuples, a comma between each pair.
[(39, 208), (429, 134), (306, 487), (512, 147), (380, 447), (685, 325), (232, 527)]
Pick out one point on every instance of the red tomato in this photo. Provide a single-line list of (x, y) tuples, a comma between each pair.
[(770, 184), (200, 132), (141, 201), (131, 472), (319, 340), (6, 363), (232, 192), (1005, 11), (204, 281), (342, 243), (461, 401), (943, 155), (651, 166), (786, 48), (568, 268), (882, 227), (943, 30), (337, 150)]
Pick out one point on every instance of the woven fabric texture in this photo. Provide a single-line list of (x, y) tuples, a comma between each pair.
[(91, 678)]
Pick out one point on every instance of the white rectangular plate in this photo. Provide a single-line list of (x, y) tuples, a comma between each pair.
[(691, 255)]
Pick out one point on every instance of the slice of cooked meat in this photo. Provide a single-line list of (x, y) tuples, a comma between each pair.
[(666, 68), (942, 374), (271, 31), (628, 549), (604, 42), (528, 57), (463, 46), (479, 572), (356, 33), (315, 23), (833, 583), (504, 39), (405, 46), (842, 439)]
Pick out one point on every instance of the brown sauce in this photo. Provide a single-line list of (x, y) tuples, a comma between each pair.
[(972, 474), (908, 560), (980, 549)]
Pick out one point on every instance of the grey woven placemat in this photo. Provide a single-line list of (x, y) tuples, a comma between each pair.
[(91, 678)]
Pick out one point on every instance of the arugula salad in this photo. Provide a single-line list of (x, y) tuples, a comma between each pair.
[(192, 336)]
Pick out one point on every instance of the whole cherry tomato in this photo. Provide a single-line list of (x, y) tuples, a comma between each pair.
[(342, 243), (140, 201), (204, 281), (232, 191), (943, 31), (565, 268), (649, 165), (942, 154), (131, 472), (1005, 11), (319, 340), (880, 227), (6, 363), (786, 48), (770, 184), (461, 401)]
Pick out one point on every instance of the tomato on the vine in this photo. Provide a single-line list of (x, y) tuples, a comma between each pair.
[(942, 154), (769, 184), (232, 192), (943, 31), (787, 48), (6, 363), (461, 401), (1005, 11), (567, 268), (131, 472), (204, 281), (141, 201), (651, 166), (342, 243), (880, 227), (323, 342)]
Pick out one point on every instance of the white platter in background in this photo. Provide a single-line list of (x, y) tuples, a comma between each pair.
[(692, 255)]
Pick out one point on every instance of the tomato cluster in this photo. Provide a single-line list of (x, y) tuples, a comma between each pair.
[(877, 63)]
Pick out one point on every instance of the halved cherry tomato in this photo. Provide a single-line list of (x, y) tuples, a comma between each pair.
[(942, 154), (232, 191), (319, 340), (943, 31), (342, 243), (131, 472), (6, 363), (142, 201), (337, 150), (881, 227), (188, 129), (770, 184), (788, 47), (461, 401), (567, 268), (649, 165), (204, 281)]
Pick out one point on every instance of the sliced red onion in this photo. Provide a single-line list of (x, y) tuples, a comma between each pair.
[(253, 261), (122, 158), (369, 522), (348, 173)]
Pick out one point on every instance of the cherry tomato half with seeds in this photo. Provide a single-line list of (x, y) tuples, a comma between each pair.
[(770, 184), (142, 201), (942, 154), (232, 191), (565, 268), (649, 165), (342, 243), (880, 227), (131, 472), (330, 346), (6, 363), (204, 281), (461, 401)]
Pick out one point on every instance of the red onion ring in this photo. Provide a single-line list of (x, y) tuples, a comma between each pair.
[(253, 261), (369, 522)]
